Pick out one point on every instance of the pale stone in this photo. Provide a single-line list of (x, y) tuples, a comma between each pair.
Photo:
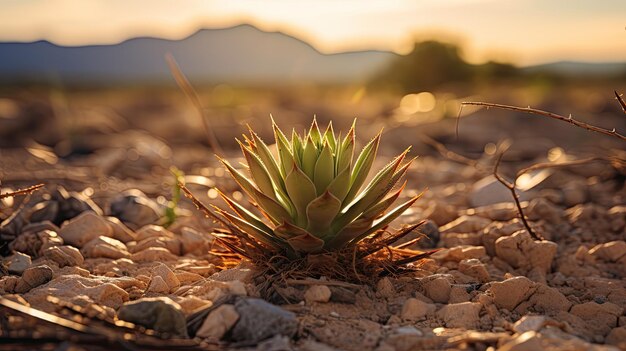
[(529, 323), (385, 288), (153, 254), (119, 230), (158, 285), (18, 263), (617, 337), (529, 341), (547, 299), (194, 242), (105, 247), (461, 315), (415, 310), (476, 269), (64, 255), (158, 313), (84, 228), (437, 288), (600, 318), (218, 322), (317, 293), (36, 276), (520, 251), (511, 292), (167, 275), (611, 252)]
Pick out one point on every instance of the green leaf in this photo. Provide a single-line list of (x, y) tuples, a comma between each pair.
[(324, 169), (321, 212), (244, 213), (276, 212), (258, 171), (345, 151), (306, 243), (341, 184), (309, 158), (378, 209), (284, 152), (314, 132), (243, 182), (301, 191), (296, 146), (362, 168), (286, 231), (250, 229), (329, 137), (349, 232), (264, 153), (386, 219)]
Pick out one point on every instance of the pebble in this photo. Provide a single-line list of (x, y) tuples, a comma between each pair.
[(18, 263), (520, 251), (35, 243), (511, 292), (194, 242), (157, 313), (34, 277), (158, 285), (135, 209), (218, 322), (64, 255), (163, 271), (84, 228), (260, 320), (610, 252), (317, 293), (105, 247), (437, 288), (600, 318), (120, 231), (385, 288), (475, 269), (414, 309), (461, 315), (153, 254), (528, 341), (617, 337)]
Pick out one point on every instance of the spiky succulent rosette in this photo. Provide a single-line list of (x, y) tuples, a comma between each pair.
[(309, 194)]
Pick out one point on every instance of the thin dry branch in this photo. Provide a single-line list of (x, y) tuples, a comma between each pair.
[(530, 110), (185, 86), (511, 187), (26, 191), (620, 100), (447, 153)]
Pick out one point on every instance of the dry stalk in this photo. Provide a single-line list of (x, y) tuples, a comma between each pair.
[(511, 187), (26, 191), (620, 100), (192, 95), (534, 111)]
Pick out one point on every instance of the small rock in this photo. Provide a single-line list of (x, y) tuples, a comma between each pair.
[(194, 242), (18, 263), (153, 254), (317, 293), (475, 269), (243, 272), (437, 288), (546, 299), (342, 295), (105, 247), (34, 243), (511, 292), (157, 313), (385, 288), (617, 337), (84, 228), (168, 276), (260, 320), (600, 318), (120, 231), (542, 209), (461, 315), (135, 209), (64, 255), (218, 322), (172, 245), (34, 277), (611, 252), (529, 323), (158, 285), (415, 309), (520, 251)]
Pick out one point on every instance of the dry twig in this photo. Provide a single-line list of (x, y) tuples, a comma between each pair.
[(569, 119), (185, 86), (620, 100), (511, 187), (19, 192)]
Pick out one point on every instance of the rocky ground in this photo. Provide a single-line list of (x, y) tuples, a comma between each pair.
[(89, 250)]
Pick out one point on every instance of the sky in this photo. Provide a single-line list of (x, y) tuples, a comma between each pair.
[(519, 31)]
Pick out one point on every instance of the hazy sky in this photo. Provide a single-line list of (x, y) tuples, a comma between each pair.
[(521, 31)]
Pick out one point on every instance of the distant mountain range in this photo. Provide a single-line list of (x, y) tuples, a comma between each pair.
[(240, 54), (237, 54)]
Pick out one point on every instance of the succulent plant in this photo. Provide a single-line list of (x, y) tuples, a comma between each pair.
[(310, 194)]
